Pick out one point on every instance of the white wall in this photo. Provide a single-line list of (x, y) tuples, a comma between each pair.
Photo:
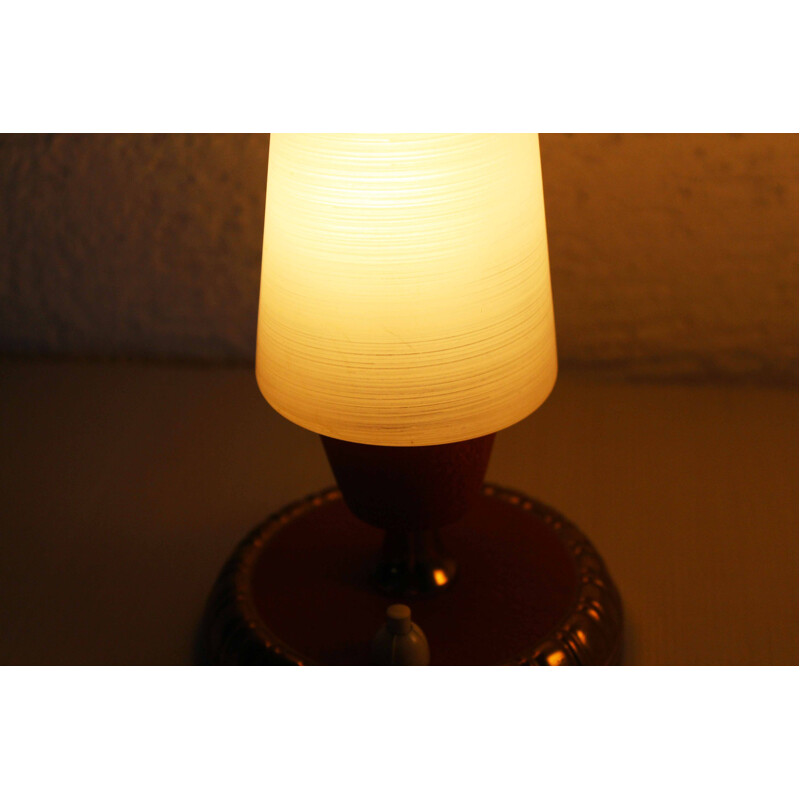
[(672, 255)]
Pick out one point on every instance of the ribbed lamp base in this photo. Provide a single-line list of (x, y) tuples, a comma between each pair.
[(530, 590)]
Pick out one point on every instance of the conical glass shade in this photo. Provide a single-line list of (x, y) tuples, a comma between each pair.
[(405, 290)]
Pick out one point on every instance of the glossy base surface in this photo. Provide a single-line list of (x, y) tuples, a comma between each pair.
[(530, 589)]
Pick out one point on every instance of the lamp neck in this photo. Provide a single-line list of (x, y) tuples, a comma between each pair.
[(410, 492)]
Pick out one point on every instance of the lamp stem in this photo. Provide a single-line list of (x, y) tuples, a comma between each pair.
[(413, 562), (410, 493)]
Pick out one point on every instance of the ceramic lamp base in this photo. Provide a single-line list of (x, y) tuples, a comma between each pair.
[(530, 589)]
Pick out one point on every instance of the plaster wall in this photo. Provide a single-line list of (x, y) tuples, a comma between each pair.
[(672, 256)]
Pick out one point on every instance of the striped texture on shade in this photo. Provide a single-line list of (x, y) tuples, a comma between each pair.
[(405, 290)]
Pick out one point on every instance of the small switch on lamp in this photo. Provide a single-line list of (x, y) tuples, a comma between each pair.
[(400, 642)]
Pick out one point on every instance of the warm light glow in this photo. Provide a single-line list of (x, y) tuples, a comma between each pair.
[(405, 290), (557, 658), (440, 577)]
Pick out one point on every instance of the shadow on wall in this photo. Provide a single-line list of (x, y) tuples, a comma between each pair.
[(672, 255)]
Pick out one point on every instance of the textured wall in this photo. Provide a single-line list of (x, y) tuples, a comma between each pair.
[(131, 244), (672, 255), (675, 254)]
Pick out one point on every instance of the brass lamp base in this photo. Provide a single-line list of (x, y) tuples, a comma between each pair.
[(530, 590)]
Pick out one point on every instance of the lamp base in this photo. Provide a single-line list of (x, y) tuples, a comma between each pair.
[(530, 589)]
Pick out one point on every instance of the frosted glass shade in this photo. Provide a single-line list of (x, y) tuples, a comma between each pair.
[(405, 289)]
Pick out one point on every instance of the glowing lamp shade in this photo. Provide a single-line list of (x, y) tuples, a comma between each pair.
[(405, 290)]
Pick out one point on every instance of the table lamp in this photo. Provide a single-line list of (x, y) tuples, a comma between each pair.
[(406, 316)]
